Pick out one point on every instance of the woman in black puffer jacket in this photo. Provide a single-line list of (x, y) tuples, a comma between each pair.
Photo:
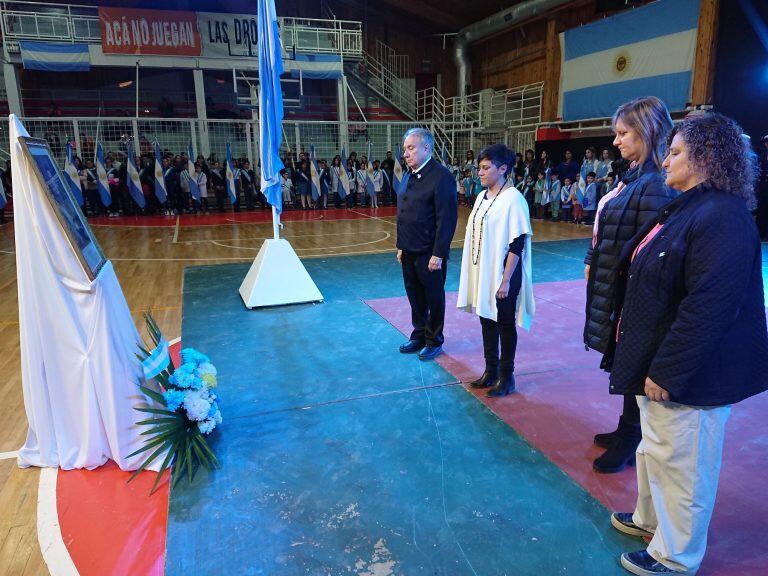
[(641, 128)]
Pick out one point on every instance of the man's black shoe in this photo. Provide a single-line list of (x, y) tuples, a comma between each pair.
[(430, 352), (411, 347)]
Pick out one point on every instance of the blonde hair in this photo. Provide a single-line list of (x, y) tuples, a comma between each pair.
[(649, 117)]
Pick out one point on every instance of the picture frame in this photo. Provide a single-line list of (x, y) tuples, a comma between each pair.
[(66, 208)]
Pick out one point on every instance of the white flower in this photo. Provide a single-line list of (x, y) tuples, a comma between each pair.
[(207, 368), (197, 405)]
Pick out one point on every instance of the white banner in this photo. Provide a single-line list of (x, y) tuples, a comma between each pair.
[(227, 35)]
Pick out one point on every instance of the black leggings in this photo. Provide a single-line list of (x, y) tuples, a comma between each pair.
[(504, 330)]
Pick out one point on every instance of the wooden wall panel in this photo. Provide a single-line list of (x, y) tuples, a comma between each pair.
[(704, 66)]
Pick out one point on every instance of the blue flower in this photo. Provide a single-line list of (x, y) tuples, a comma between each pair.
[(183, 379), (197, 405), (214, 409), (193, 356), (173, 399)]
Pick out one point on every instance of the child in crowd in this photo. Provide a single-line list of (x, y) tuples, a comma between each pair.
[(554, 196), (576, 199), (377, 184), (590, 198), (610, 182), (527, 192), (540, 189), (468, 186), (565, 199), (286, 185)]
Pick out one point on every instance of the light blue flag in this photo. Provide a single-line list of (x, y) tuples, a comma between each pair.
[(230, 177), (194, 189), (134, 182), (398, 173), (101, 172), (343, 176), (648, 51), (270, 102), (161, 192), (370, 188), (71, 176), (314, 173)]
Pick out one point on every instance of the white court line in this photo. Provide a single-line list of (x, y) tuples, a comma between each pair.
[(387, 236), (8, 455), (375, 217), (176, 231), (52, 545), (291, 236)]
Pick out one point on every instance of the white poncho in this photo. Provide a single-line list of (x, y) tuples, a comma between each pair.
[(507, 219)]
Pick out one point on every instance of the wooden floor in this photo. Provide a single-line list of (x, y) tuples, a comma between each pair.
[(149, 262)]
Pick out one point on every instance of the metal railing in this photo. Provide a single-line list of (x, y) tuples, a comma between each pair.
[(399, 91), (515, 107), (80, 23), (343, 37), (211, 136)]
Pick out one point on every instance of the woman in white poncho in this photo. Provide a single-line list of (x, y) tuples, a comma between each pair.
[(495, 280)]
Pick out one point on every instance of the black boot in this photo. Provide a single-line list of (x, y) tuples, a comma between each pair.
[(487, 379), (606, 439), (505, 384), (622, 452)]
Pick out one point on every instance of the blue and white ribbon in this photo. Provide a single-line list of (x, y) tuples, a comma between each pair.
[(157, 361)]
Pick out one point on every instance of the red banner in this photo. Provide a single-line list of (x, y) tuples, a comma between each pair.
[(163, 32)]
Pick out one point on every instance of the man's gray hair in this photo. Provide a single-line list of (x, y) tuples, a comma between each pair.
[(425, 136)]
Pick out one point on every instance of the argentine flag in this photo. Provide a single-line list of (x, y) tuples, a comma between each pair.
[(398, 173), (134, 182), (101, 172), (194, 189), (3, 199), (160, 190), (343, 176), (369, 186), (230, 177), (648, 51), (71, 176), (270, 103), (314, 173)]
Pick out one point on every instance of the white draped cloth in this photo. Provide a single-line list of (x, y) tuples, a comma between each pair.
[(80, 374), (482, 264)]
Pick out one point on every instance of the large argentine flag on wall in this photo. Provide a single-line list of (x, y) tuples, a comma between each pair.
[(647, 51)]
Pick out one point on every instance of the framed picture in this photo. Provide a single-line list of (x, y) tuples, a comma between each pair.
[(64, 205)]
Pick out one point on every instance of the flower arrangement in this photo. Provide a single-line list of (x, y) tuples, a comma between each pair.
[(190, 411)]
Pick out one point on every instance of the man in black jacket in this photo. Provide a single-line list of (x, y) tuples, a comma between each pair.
[(427, 213)]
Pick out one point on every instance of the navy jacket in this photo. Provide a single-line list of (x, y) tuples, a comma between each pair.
[(427, 211), (693, 317), (644, 195)]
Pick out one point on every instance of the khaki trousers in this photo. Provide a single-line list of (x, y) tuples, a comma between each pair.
[(678, 468)]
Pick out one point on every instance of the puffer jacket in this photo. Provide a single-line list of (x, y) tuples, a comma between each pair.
[(643, 196), (693, 316)]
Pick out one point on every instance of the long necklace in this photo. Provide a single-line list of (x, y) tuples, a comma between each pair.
[(476, 257)]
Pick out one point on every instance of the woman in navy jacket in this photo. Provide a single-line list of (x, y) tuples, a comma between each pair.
[(692, 339)]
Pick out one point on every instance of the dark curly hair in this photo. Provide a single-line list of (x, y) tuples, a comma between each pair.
[(718, 149)]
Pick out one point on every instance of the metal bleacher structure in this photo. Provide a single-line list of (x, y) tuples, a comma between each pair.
[(382, 80)]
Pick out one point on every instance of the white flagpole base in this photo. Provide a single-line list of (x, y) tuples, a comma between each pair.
[(277, 277)]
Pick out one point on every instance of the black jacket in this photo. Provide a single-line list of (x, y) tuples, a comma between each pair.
[(620, 219), (693, 318), (427, 211)]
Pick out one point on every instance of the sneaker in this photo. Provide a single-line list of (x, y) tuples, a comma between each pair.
[(643, 564), (622, 521)]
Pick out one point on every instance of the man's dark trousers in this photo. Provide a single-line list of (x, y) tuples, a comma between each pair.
[(426, 294)]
